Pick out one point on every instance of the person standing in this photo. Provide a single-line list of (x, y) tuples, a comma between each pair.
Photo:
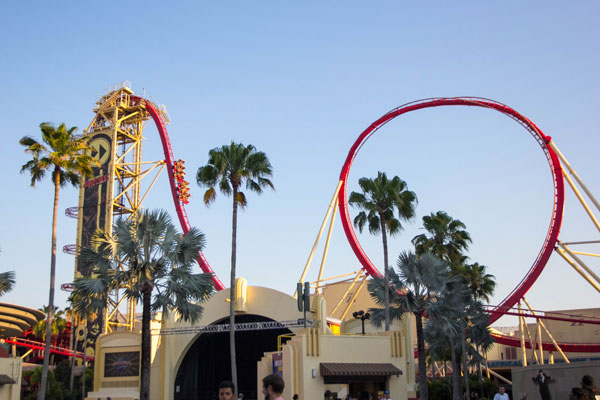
[(589, 389), (543, 380), (227, 391), (273, 386), (501, 395)]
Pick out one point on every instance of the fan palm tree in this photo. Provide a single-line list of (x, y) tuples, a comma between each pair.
[(66, 157), (7, 282), (229, 168), (446, 237), (381, 200), (418, 285), (153, 262), (459, 322)]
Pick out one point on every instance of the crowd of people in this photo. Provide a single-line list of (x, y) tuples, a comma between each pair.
[(183, 189)]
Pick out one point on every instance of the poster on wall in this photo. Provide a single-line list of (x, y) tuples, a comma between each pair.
[(121, 364), (278, 364)]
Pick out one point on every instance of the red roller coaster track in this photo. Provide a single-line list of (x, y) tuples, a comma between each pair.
[(555, 222), (169, 159), (517, 293)]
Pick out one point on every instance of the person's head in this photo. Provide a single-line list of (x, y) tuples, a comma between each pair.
[(501, 389), (295, 397), (272, 386), (226, 390), (576, 394), (541, 372), (587, 380)]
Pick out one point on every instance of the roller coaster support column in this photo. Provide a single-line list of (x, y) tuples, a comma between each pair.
[(522, 323), (312, 253), (547, 332), (358, 275), (362, 284), (580, 182), (327, 243), (562, 250), (539, 333), (531, 343)]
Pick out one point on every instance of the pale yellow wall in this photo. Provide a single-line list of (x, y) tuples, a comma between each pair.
[(263, 301), (11, 367), (300, 367), (104, 387)]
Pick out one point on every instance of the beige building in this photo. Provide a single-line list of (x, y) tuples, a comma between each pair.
[(188, 363), (14, 320)]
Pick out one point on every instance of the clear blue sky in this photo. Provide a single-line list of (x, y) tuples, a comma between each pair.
[(300, 81)]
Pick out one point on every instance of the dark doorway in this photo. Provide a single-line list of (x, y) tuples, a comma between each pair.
[(207, 361)]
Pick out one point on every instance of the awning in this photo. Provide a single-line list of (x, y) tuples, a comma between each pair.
[(359, 369), (5, 379)]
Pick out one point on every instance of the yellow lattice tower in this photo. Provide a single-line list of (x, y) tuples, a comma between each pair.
[(115, 190)]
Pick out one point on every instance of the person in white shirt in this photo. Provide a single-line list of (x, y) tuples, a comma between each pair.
[(501, 395)]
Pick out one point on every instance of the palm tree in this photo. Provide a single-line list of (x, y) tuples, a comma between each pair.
[(153, 262), (59, 324), (7, 282), (480, 283), (380, 199), (446, 237), (459, 322), (418, 285), (228, 168), (67, 157), (475, 335)]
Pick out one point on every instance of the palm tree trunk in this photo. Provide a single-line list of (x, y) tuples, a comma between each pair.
[(232, 290), (44, 380), (146, 345), (421, 354), (466, 364), (73, 346), (480, 379), (456, 390), (386, 274), (84, 362)]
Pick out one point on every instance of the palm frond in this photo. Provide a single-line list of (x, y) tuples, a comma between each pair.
[(7, 282)]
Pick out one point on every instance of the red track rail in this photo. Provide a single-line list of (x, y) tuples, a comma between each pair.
[(553, 230), (31, 344), (169, 160), (549, 346)]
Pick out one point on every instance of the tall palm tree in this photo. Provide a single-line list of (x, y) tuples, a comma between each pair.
[(66, 157), (229, 167), (446, 237), (381, 200), (153, 262), (418, 285), (7, 282)]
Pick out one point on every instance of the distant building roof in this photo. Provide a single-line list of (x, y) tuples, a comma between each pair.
[(15, 319)]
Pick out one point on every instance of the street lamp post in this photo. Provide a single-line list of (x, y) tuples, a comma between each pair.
[(362, 316)]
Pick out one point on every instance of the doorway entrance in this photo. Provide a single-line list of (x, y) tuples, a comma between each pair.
[(207, 362)]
